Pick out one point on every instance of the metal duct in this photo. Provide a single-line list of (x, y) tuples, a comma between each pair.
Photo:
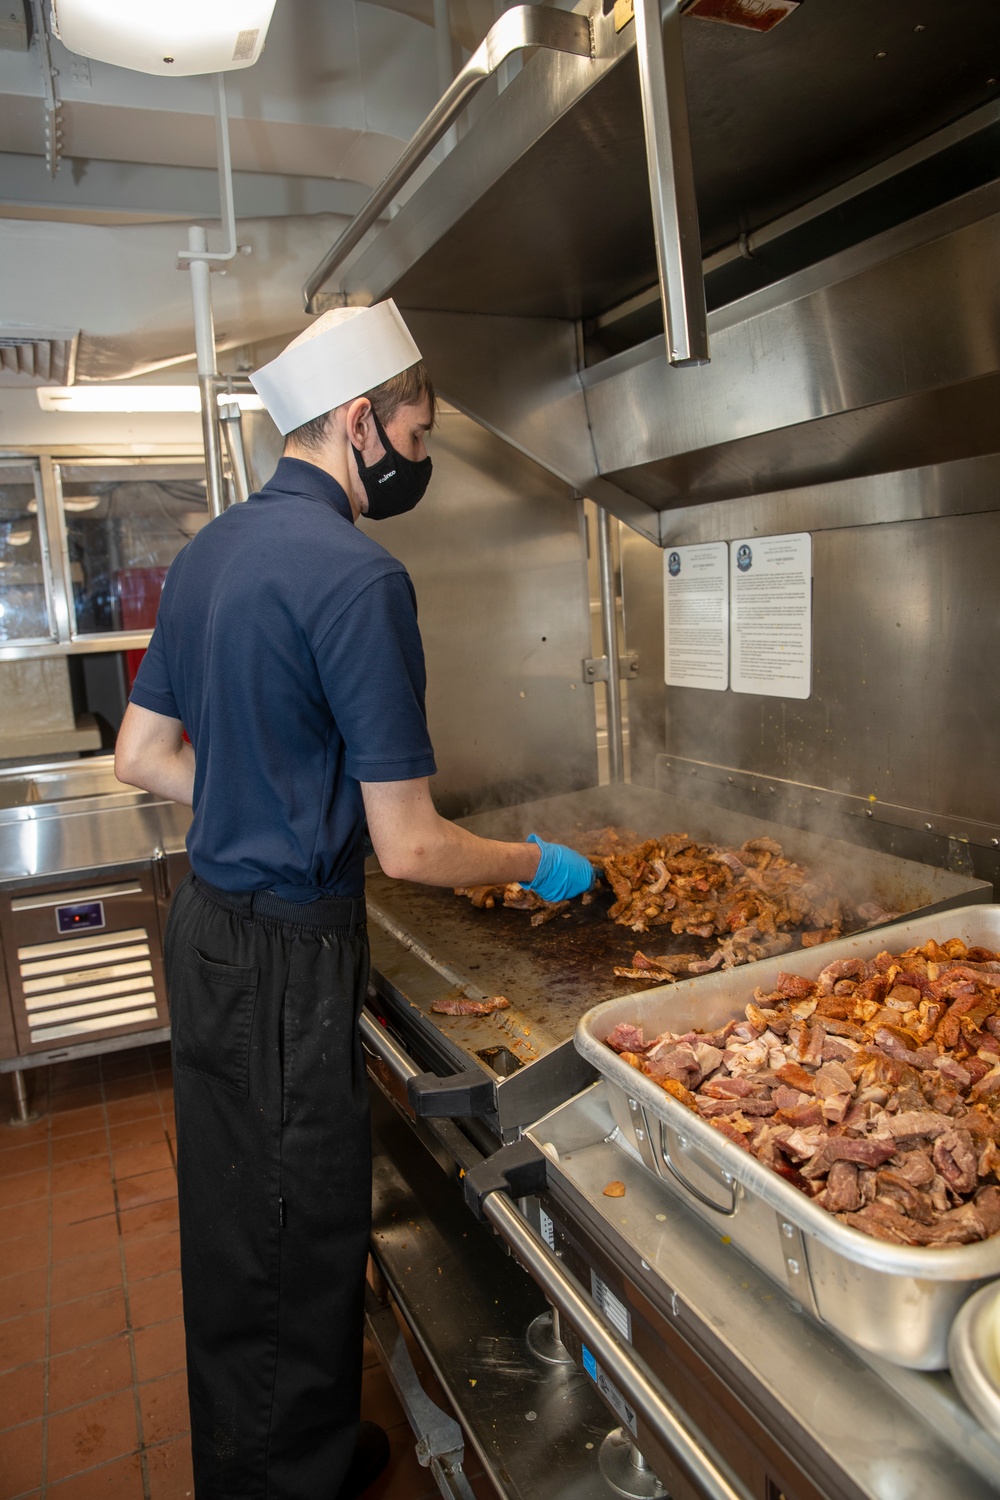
[(28, 357)]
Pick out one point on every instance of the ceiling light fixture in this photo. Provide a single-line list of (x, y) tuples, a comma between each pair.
[(176, 37), (134, 398)]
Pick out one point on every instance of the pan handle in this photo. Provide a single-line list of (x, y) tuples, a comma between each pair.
[(667, 1160)]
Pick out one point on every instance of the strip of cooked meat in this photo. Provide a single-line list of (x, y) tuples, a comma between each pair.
[(459, 1005), (889, 1119)]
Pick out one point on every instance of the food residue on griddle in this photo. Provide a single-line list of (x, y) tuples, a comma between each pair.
[(615, 1190), (459, 1005), (874, 1089), (751, 901)]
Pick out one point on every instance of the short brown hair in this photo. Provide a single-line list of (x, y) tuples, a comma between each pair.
[(404, 389)]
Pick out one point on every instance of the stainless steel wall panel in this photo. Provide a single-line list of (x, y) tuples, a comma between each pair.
[(497, 556), (905, 705)]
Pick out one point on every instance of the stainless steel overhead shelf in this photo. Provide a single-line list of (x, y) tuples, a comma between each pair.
[(830, 156)]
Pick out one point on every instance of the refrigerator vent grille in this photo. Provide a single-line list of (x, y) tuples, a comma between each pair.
[(87, 984)]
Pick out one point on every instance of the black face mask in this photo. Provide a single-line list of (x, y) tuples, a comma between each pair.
[(394, 484)]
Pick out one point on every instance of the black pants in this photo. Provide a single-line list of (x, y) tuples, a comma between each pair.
[(274, 1183)]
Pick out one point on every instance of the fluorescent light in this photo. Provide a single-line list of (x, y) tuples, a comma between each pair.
[(81, 502), (141, 398), (165, 36), (19, 538)]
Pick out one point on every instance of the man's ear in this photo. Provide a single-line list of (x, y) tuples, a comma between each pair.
[(358, 422)]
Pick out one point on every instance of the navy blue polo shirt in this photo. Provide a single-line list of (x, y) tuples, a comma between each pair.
[(286, 643)]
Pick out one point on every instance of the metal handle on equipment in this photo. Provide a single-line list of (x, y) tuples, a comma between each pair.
[(628, 1371), (378, 1040), (521, 26)]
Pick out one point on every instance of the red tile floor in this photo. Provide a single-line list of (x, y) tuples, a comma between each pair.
[(92, 1395)]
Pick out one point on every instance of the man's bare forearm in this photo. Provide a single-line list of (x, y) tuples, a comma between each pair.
[(413, 842), (152, 754), (171, 777)]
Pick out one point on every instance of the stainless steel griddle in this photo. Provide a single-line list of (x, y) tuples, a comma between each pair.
[(429, 943)]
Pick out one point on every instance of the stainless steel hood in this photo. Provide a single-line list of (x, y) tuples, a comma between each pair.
[(844, 167)]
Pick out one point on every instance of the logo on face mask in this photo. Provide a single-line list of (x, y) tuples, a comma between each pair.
[(391, 491)]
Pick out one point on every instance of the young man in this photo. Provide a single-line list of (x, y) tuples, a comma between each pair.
[(287, 647)]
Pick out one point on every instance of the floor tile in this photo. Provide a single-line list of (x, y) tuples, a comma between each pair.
[(20, 1459), (98, 1272), (75, 1122), (23, 1219), (28, 1253), (143, 1132), (86, 1203), (169, 1470), (152, 1218), (22, 1395), (23, 1293), (77, 1176), (87, 1374), (79, 1147), (151, 1255), (89, 1435), (70, 1241), (134, 1161), (151, 1187), (75, 1100), (119, 1480), (12, 1136), (22, 1341), (159, 1350), (26, 1158), (156, 1299), (164, 1406), (23, 1188), (137, 1108), (131, 1086), (74, 1325)]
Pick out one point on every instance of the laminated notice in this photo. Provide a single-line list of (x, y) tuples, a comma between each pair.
[(696, 616), (770, 615)]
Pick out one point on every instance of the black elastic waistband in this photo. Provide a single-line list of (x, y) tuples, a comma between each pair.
[(324, 913)]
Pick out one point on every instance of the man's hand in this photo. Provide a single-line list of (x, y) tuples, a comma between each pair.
[(413, 842), (562, 873), (152, 753)]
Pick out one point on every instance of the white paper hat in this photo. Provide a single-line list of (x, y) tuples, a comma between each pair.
[(346, 352)]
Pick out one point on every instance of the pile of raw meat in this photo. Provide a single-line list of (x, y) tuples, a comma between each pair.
[(749, 900), (874, 1088)]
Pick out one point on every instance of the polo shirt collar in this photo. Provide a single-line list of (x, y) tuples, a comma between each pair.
[(294, 476)]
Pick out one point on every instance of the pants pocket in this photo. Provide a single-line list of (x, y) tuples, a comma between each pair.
[(211, 1020)]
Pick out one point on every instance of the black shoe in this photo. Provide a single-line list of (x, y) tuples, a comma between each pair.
[(371, 1454)]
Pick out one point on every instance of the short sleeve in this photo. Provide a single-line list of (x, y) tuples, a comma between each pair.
[(371, 664), (152, 688)]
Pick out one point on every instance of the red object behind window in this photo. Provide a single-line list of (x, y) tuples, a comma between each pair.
[(139, 598)]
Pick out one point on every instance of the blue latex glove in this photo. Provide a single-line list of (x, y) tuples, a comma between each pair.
[(561, 872)]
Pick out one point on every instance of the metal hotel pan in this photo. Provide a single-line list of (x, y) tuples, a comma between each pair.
[(897, 1301)]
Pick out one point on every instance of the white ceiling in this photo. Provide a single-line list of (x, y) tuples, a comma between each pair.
[(342, 84)]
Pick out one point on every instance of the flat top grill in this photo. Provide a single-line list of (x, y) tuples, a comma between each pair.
[(433, 943)]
